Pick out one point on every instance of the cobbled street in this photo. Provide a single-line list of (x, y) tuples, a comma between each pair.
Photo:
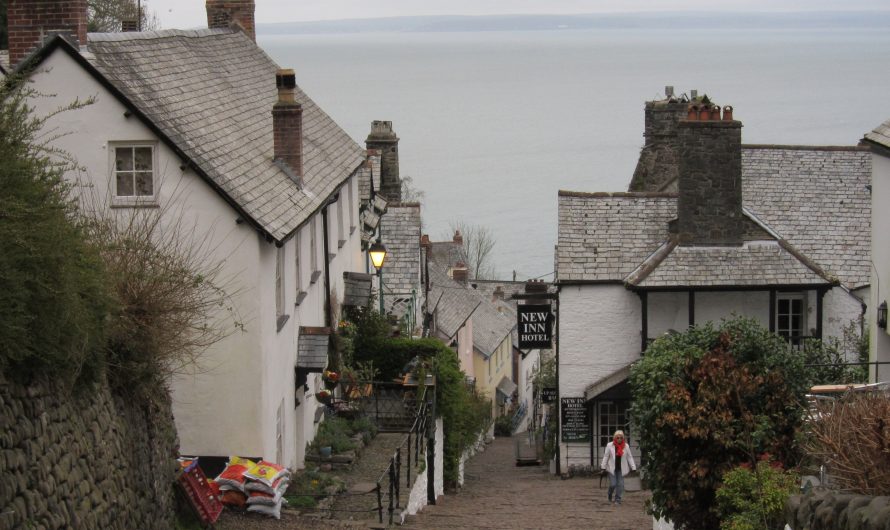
[(498, 494)]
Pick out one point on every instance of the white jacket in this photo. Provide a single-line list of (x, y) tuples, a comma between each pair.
[(627, 460)]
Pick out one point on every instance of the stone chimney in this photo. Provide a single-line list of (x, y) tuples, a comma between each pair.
[(658, 165), (32, 22), (287, 123), (224, 13), (460, 273), (709, 207), (498, 294), (384, 139)]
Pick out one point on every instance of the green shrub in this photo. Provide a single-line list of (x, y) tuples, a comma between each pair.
[(53, 296), (708, 400), (308, 486), (334, 433), (503, 426), (755, 499)]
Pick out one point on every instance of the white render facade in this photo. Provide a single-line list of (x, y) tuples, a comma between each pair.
[(241, 397), (879, 338)]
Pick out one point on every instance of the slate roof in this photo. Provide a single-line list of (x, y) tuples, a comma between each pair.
[(369, 172), (605, 236), (817, 199), (211, 93), (491, 325), (312, 348), (880, 135), (455, 303), (814, 200), (400, 234), (450, 302), (753, 264)]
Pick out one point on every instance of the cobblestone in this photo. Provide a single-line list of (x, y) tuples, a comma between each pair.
[(497, 494)]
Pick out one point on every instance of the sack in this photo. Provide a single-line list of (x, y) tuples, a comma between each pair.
[(234, 473), (233, 498), (267, 473), (271, 511), (264, 499), (279, 485)]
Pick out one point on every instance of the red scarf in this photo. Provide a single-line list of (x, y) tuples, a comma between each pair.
[(619, 447)]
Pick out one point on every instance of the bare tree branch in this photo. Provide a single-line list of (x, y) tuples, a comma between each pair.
[(105, 16), (478, 245)]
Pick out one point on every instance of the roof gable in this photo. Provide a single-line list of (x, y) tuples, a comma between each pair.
[(208, 94)]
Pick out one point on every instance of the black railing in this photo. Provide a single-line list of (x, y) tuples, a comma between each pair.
[(417, 441), (391, 406)]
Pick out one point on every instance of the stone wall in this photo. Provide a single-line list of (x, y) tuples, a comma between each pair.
[(86, 459), (835, 511), (658, 165)]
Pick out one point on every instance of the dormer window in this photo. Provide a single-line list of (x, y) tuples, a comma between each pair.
[(134, 179)]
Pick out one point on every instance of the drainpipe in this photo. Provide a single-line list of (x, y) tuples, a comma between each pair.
[(558, 395), (327, 259)]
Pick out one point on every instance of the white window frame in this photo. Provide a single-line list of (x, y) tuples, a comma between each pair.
[(786, 331), (133, 200)]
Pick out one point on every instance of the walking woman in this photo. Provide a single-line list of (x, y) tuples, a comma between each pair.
[(618, 462)]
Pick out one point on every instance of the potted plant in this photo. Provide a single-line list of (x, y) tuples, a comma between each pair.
[(331, 379), (324, 396)]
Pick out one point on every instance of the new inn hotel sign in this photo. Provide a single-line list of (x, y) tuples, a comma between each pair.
[(535, 326)]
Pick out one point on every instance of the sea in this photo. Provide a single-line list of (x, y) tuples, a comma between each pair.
[(494, 123)]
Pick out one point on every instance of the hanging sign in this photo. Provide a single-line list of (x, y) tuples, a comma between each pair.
[(535, 326), (575, 420), (548, 395)]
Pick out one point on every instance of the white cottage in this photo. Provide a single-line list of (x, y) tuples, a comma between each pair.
[(878, 141), (204, 128), (775, 233)]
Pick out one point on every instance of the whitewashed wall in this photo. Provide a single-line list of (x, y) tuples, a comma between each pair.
[(880, 255), (599, 334), (227, 404)]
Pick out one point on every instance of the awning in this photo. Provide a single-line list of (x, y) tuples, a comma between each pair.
[(356, 289), (312, 348), (506, 387), (607, 382)]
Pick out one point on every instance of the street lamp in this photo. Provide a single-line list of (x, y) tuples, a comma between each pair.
[(378, 255)]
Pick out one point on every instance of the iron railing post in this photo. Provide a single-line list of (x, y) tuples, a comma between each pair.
[(392, 484), (379, 504), (398, 476)]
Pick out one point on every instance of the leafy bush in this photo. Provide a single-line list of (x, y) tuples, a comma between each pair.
[(827, 358), (755, 499), (708, 400), (503, 426), (53, 296), (465, 414), (307, 487), (335, 433)]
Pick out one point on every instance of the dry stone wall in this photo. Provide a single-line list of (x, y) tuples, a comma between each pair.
[(836, 511), (85, 460)]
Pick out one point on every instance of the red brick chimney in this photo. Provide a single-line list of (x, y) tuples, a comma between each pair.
[(222, 13), (287, 123), (458, 238), (30, 22), (460, 273)]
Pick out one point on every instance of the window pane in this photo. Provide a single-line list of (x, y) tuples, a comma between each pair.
[(795, 325), (783, 306), (783, 322), (124, 184), (123, 159), (143, 158), (797, 306), (144, 185)]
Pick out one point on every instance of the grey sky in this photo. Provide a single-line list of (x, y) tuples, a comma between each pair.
[(190, 13)]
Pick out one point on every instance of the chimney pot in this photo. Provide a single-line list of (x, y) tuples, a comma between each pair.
[(692, 113), (669, 91), (458, 238), (223, 14), (727, 113), (286, 81), (693, 94)]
